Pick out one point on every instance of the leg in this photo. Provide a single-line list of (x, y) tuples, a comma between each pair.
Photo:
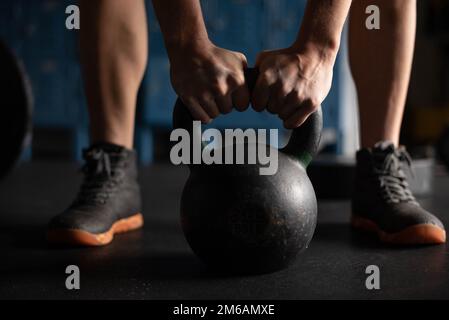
[(113, 42), (114, 54), (381, 62)]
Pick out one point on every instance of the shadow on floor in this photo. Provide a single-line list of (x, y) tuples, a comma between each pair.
[(30, 254), (343, 234), (135, 255)]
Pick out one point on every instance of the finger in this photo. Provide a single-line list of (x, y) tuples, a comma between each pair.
[(278, 94), (239, 91), (224, 103), (196, 110), (209, 105), (259, 58), (240, 97), (261, 93), (291, 103), (222, 97), (272, 104), (300, 116), (244, 60)]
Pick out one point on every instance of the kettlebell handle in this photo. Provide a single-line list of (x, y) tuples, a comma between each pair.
[(304, 140)]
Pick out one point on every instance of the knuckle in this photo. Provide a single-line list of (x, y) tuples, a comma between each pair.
[(238, 79), (219, 90), (301, 98), (313, 104), (283, 90), (214, 82), (266, 74), (242, 57), (205, 98)]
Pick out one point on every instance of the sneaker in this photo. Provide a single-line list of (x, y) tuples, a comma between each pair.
[(108, 201), (383, 203)]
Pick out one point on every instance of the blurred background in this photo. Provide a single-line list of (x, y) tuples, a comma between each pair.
[(35, 31)]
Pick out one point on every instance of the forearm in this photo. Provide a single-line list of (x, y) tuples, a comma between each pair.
[(208, 79), (182, 23), (322, 26)]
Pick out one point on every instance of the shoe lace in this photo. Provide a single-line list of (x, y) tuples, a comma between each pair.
[(392, 178), (101, 178)]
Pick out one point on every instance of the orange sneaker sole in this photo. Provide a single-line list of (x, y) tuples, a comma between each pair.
[(78, 237), (414, 235)]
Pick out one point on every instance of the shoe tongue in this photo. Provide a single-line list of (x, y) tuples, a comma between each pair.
[(101, 158), (383, 148), (107, 147)]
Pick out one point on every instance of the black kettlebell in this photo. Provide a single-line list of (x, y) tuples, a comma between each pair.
[(240, 221)]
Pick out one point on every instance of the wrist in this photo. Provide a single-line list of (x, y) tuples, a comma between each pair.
[(324, 51), (191, 46)]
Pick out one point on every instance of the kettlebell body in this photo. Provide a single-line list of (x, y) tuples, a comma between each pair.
[(238, 220)]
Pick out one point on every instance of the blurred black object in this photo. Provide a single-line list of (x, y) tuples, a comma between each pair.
[(16, 110), (443, 147), (438, 17)]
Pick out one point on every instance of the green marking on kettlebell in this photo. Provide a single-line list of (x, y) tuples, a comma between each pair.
[(305, 158)]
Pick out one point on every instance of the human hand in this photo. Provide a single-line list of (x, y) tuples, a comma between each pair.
[(292, 83), (209, 80)]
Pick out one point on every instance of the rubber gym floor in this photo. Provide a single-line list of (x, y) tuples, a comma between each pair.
[(156, 262)]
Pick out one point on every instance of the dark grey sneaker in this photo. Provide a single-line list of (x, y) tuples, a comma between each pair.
[(383, 203), (108, 202)]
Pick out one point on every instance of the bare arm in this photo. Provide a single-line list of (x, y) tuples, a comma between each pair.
[(323, 24), (208, 79), (181, 22), (293, 82)]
